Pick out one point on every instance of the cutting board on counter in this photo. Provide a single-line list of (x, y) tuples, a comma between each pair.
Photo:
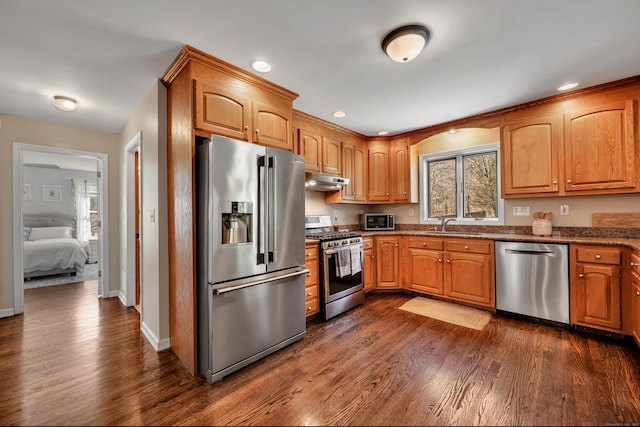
[(625, 219)]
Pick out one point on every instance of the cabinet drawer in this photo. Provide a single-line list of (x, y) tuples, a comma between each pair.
[(311, 306), (599, 255), (311, 292), (310, 252), (312, 276), (474, 246), (425, 243), (367, 243)]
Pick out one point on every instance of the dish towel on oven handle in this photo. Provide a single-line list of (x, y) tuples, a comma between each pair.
[(356, 265), (343, 262)]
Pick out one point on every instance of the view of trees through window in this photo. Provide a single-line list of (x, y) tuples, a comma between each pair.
[(479, 192), (93, 209)]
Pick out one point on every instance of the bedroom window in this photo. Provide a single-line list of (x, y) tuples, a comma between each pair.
[(93, 208), (462, 185)]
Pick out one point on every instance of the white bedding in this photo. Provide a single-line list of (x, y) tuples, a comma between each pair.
[(48, 254)]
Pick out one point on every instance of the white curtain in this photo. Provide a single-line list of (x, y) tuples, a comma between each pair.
[(80, 196)]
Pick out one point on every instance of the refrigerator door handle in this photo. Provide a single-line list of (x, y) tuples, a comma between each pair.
[(262, 212), (271, 216), (226, 289)]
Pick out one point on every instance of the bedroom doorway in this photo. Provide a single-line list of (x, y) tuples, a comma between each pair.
[(52, 185)]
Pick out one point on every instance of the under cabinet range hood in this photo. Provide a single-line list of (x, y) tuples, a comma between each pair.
[(319, 182)]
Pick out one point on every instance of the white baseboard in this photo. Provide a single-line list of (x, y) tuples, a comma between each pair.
[(122, 297), (7, 312), (158, 345)]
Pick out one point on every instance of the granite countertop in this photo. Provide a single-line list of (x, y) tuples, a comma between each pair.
[(512, 236)]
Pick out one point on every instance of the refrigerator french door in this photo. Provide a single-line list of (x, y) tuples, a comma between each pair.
[(250, 254)]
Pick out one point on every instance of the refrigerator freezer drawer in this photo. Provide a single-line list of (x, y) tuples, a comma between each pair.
[(252, 322)]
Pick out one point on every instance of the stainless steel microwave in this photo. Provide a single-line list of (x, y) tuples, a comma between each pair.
[(376, 221)]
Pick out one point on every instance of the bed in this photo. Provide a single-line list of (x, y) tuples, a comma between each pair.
[(50, 246)]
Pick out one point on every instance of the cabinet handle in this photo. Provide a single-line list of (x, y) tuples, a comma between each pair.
[(581, 275), (633, 264), (308, 294), (597, 256)]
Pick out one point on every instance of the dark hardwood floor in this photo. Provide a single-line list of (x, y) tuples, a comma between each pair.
[(74, 359)]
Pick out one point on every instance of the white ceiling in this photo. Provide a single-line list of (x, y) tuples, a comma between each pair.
[(483, 54)]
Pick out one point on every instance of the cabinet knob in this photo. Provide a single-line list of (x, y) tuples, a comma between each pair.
[(598, 256), (424, 244), (308, 308), (555, 182), (387, 194), (439, 259), (568, 181), (405, 193), (638, 293), (308, 274), (257, 131), (449, 261), (396, 245), (581, 275), (246, 128), (308, 294), (466, 247), (633, 264), (308, 254)]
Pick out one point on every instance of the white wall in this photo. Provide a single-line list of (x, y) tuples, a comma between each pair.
[(151, 117), (36, 177)]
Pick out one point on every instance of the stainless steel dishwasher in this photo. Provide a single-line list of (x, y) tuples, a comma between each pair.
[(532, 279)]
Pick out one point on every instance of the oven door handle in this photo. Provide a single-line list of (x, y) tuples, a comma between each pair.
[(335, 250)]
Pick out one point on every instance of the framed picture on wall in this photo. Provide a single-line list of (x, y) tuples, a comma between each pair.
[(26, 192), (51, 193)]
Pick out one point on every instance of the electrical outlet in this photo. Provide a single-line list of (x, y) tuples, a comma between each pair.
[(564, 209), (521, 211), (410, 212)]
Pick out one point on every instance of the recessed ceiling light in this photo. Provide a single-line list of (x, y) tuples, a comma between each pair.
[(261, 66), (568, 86), (383, 132), (65, 103), (339, 113)]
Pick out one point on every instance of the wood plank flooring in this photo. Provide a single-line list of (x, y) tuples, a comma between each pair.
[(74, 359)]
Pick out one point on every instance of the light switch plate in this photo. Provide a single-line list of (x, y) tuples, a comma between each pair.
[(564, 209), (521, 211)]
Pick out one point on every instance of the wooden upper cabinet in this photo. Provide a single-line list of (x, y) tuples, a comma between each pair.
[(530, 153), (331, 153), (399, 178), (311, 148), (359, 173), (600, 147), (272, 126), (378, 173), (348, 159), (219, 111)]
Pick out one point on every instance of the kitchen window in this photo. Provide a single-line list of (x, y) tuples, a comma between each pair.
[(462, 185)]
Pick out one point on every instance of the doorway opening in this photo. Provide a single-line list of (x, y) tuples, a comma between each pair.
[(59, 194)]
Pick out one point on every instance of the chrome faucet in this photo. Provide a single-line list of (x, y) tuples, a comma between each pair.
[(443, 223)]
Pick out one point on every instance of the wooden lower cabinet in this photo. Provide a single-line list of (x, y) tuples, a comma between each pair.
[(457, 269), (635, 296), (312, 300), (387, 262), (368, 264), (595, 287)]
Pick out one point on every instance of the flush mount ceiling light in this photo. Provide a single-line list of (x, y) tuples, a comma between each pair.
[(65, 103), (405, 43), (261, 66), (567, 86)]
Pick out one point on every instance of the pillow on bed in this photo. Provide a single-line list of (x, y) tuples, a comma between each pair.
[(25, 233), (39, 233)]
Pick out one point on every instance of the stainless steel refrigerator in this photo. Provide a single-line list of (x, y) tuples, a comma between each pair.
[(250, 253)]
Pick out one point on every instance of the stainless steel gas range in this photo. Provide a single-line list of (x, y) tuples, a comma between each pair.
[(341, 258)]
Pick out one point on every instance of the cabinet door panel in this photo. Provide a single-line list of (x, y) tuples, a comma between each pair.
[(331, 156), (272, 126), (310, 148), (426, 271), (387, 261), (468, 278), (635, 304), (600, 148), (359, 173), (220, 112), (530, 153), (600, 286), (348, 152), (378, 172), (400, 172)]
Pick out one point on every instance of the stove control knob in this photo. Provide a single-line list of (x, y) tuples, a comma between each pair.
[(329, 244), (345, 242)]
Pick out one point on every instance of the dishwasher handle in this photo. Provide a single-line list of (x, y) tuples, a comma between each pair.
[(529, 252)]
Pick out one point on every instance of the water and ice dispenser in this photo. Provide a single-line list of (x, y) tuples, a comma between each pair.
[(236, 222)]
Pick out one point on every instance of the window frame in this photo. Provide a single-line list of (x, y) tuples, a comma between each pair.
[(458, 154)]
